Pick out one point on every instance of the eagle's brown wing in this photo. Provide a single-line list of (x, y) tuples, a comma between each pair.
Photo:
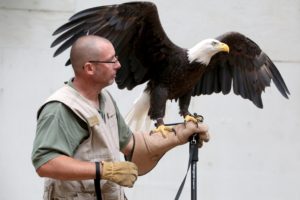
[(135, 31), (246, 68)]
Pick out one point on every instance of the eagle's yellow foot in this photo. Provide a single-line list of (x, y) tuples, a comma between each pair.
[(164, 130), (194, 118), (189, 118)]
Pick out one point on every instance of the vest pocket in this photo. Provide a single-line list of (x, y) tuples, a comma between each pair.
[(111, 121), (111, 191), (48, 191), (85, 196)]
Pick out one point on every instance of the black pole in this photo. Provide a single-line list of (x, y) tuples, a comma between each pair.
[(194, 152)]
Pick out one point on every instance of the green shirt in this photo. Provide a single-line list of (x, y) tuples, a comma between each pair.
[(59, 132)]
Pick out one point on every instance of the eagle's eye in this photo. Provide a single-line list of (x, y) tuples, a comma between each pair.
[(214, 43)]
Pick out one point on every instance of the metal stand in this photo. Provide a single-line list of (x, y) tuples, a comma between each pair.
[(194, 159)]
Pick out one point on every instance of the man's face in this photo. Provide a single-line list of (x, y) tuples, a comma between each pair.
[(107, 67)]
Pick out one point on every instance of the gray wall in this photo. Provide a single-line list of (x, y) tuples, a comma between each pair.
[(253, 153)]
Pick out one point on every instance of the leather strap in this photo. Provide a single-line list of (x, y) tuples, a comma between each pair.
[(97, 182)]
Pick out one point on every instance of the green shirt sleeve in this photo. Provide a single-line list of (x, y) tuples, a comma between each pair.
[(58, 132)]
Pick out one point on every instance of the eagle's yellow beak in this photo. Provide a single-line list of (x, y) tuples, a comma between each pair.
[(223, 47)]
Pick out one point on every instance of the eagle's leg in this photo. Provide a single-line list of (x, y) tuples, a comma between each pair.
[(184, 103), (158, 99)]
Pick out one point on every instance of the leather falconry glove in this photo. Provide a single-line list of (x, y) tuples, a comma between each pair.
[(149, 148), (122, 173)]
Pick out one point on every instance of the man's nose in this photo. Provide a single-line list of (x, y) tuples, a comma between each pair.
[(118, 65)]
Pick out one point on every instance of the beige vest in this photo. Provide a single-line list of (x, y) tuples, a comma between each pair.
[(102, 144)]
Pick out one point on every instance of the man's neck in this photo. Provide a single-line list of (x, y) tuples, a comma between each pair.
[(89, 91)]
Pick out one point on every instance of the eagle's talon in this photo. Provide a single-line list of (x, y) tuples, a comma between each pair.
[(173, 130), (198, 117), (194, 118), (189, 118), (164, 130)]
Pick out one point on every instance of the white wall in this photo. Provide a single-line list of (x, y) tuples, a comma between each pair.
[(253, 154)]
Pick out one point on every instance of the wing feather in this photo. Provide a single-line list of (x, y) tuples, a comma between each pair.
[(225, 78), (88, 12), (75, 29), (68, 43)]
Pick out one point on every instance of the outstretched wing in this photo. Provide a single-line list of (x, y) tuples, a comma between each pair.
[(135, 31), (247, 68)]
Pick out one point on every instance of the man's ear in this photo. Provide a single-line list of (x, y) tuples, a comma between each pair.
[(89, 68)]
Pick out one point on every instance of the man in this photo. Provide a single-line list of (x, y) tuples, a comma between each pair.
[(80, 126)]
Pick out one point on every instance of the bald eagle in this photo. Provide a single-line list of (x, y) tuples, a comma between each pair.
[(147, 55)]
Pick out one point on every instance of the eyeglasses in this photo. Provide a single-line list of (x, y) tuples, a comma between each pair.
[(115, 60)]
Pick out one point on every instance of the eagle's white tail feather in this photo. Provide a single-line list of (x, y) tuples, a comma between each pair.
[(137, 118)]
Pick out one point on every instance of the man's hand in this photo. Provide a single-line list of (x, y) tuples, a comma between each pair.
[(122, 173), (183, 132)]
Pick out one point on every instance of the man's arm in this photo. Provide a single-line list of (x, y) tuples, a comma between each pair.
[(66, 168), (55, 143)]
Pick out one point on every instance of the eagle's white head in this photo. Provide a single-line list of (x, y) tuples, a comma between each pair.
[(204, 50)]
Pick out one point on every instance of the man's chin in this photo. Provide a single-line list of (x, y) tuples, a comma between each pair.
[(111, 82)]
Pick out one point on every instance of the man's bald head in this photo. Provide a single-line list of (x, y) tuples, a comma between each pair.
[(86, 48)]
